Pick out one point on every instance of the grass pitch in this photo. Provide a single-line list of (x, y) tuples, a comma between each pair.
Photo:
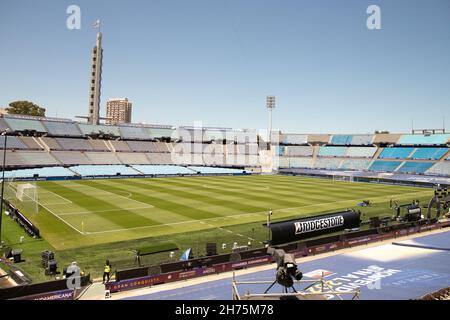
[(79, 213), (90, 220)]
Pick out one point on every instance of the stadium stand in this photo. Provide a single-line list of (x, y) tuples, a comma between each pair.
[(294, 139), (18, 125), (102, 157), (51, 143), (420, 139), (341, 140), (31, 143), (385, 166), (324, 163), (89, 130), (429, 153), (135, 133), (396, 153), (332, 151), (277, 150), (13, 158), (415, 167), (362, 139), (39, 172), (119, 145), (3, 125), (101, 170), (318, 138), (160, 158), (386, 138), (132, 158), (300, 162), (12, 142), (212, 170), (73, 144), (355, 164), (36, 158), (98, 145), (440, 168), (361, 152), (299, 151), (163, 170), (140, 146), (160, 133), (214, 135), (71, 158), (59, 128), (246, 137)]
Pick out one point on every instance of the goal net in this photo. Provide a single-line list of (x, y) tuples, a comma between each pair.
[(343, 178), (24, 195)]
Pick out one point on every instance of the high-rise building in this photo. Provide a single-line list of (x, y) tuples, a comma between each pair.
[(96, 82), (118, 110)]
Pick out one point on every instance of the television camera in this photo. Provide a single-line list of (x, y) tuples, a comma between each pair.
[(287, 269)]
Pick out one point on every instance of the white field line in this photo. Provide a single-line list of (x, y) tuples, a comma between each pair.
[(48, 191), (99, 211), (114, 194), (255, 213), (46, 208)]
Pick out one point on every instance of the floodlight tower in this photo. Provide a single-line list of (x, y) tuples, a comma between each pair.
[(270, 105)]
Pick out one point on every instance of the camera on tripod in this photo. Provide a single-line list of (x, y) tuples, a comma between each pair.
[(287, 269)]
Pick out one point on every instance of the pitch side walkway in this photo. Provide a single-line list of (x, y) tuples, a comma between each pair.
[(399, 270)]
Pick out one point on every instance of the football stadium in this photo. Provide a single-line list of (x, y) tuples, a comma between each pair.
[(97, 209)]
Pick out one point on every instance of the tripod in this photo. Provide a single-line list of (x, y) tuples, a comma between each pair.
[(285, 288)]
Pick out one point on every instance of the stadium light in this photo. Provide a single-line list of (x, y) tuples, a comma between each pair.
[(270, 105), (4, 133)]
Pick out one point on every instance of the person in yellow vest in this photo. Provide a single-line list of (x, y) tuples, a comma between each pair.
[(107, 272)]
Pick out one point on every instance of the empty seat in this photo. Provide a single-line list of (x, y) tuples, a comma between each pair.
[(74, 144), (71, 157), (355, 164), (327, 163), (17, 124), (102, 158), (387, 166), (119, 145), (52, 143), (440, 168), (361, 152), (332, 151), (429, 153), (31, 143), (56, 128), (396, 153), (12, 142), (98, 145), (420, 139), (415, 167), (299, 151), (138, 133), (132, 158)]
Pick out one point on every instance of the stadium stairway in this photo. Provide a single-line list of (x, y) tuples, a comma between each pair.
[(42, 143), (377, 154)]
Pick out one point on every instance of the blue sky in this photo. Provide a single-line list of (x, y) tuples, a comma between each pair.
[(215, 61)]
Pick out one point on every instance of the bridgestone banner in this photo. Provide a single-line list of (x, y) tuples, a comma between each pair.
[(300, 229)]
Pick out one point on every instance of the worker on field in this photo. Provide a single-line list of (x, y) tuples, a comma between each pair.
[(107, 272)]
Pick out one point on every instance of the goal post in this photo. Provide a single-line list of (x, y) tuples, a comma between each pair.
[(23, 194), (343, 178)]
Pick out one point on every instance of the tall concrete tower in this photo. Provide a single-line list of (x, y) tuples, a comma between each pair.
[(95, 85)]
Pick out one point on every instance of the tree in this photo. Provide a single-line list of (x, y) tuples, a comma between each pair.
[(25, 108)]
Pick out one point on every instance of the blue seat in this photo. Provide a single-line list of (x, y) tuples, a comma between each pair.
[(387, 166), (396, 153), (415, 167), (429, 153)]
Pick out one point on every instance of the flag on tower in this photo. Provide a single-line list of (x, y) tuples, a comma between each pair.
[(96, 24)]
